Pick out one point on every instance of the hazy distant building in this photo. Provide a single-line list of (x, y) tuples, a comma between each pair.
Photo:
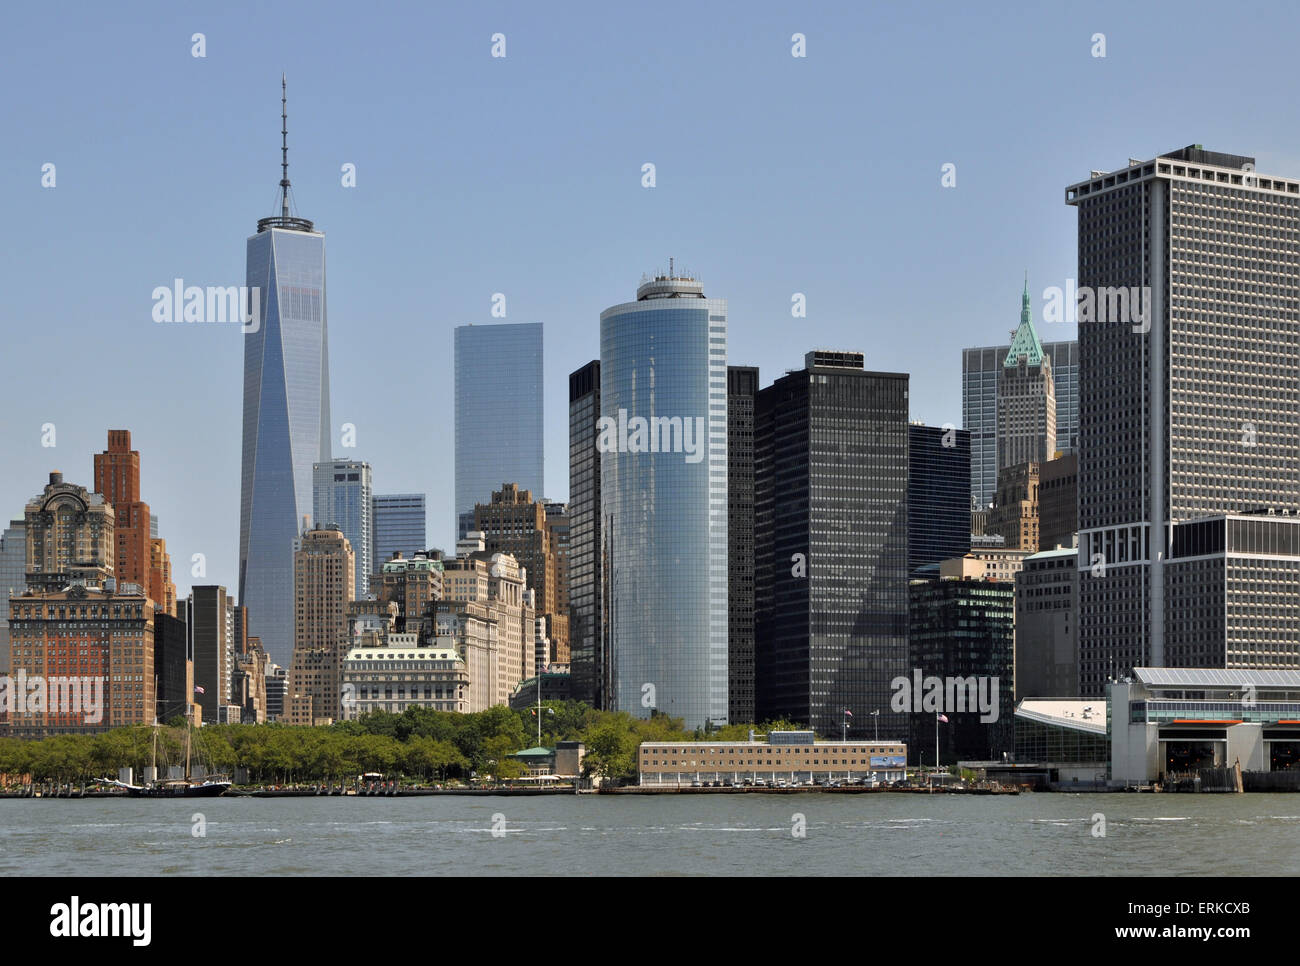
[(830, 535), (499, 425), (399, 527), (341, 497), (13, 579), (939, 522), (663, 445), (742, 390), (587, 640)]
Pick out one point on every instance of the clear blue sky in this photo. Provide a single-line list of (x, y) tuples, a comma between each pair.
[(522, 175)]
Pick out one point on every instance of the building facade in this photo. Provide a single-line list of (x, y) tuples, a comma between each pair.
[(1047, 625), (210, 625), (939, 524), (788, 758), (516, 523), (399, 527), (324, 570), (1014, 514), (92, 647), (342, 498), (742, 390), (1190, 401), (69, 536), (404, 674), (499, 424), (962, 634), (830, 536), (13, 579), (587, 639), (1058, 502), (663, 446)]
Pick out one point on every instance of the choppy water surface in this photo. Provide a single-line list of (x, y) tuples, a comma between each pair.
[(879, 834)]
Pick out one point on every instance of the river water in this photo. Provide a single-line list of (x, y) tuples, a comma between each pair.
[(662, 835)]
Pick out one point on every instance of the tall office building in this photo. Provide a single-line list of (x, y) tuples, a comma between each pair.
[(742, 389), (588, 662), (1189, 415), (963, 629), (140, 556), (286, 410), (210, 630), (830, 538), (499, 428), (663, 445), (938, 494), (1014, 516), (1047, 622), (341, 496), (13, 579), (399, 527), (1026, 397), (981, 368), (516, 524), (324, 569)]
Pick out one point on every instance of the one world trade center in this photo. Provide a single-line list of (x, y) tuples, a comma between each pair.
[(286, 410)]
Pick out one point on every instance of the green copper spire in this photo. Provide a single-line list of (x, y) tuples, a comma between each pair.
[(1025, 341)]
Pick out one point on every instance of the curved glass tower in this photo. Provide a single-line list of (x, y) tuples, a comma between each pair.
[(286, 415), (662, 436)]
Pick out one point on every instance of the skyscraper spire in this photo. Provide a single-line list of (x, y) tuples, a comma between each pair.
[(284, 147), (283, 219), (1024, 301)]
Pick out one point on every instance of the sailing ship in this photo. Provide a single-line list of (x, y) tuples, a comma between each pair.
[(186, 787)]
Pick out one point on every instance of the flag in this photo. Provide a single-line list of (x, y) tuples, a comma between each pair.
[(198, 690), (848, 712), (943, 718)]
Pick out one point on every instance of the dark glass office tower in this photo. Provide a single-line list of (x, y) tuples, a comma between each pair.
[(830, 535), (938, 494), (962, 628), (742, 388), (1187, 410), (498, 413), (286, 413), (589, 665)]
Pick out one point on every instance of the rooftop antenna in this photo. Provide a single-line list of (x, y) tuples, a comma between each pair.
[(284, 147), (670, 266)]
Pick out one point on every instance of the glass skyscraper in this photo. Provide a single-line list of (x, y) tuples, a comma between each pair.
[(830, 544), (938, 482), (588, 661), (979, 408), (498, 413), (286, 415), (341, 496), (663, 445), (399, 524)]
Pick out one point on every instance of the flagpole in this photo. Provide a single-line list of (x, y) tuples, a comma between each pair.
[(936, 750)]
